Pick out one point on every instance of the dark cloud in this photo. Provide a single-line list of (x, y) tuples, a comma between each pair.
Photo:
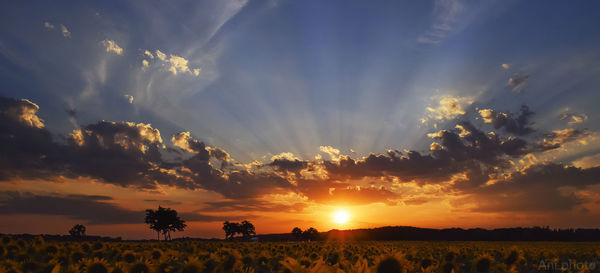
[(512, 123), (457, 151), (163, 201), (28, 150), (71, 113), (536, 188), (289, 165), (93, 209), (558, 138), (127, 154), (252, 205)]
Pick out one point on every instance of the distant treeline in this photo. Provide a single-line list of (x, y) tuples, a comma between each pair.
[(459, 234), (393, 234), (452, 234), (50, 237)]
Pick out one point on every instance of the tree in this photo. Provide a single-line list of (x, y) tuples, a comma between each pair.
[(247, 229), (297, 233), (164, 220), (77, 230), (231, 229), (311, 234)]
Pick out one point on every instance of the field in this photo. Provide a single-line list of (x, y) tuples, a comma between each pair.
[(37, 255)]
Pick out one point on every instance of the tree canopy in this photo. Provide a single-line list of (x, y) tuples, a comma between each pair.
[(77, 230), (245, 228), (164, 220)]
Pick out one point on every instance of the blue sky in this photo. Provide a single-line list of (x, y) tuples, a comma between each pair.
[(261, 78), (285, 76)]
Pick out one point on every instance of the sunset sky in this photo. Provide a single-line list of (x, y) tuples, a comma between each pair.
[(443, 113)]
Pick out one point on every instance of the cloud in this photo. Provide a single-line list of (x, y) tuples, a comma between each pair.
[(332, 152), (340, 193), (48, 25), (23, 111), (505, 66), (93, 209), (516, 125), (160, 55), (288, 162), (129, 98), (185, 141), (536, 188), (65, 32), (149, 54), (252, 205), (446, 14), (448, 107), (573, 118), (112, 46), (176, 64), (558, 138), (588, 161), (465, 160), (517, 82)]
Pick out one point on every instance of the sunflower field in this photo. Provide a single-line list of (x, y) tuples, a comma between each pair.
[(38, 255)]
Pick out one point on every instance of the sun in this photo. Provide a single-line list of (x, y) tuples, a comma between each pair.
[(341, 216)]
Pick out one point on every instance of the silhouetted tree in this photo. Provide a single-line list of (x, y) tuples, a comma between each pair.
[(297, 233), (77, 230), (310, 234), (247, 229), (164, 220), (231, 228)]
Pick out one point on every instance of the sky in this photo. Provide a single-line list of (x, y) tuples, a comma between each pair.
[(442, 113)]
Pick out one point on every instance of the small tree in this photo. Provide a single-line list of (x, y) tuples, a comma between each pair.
[(164, 220), (297, 233), (231, 229), (77, 231), (311, 234), (247, 229)]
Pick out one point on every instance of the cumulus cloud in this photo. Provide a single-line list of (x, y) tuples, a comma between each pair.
[(517, 82), (512, 123), (332, 152), (465, 160), (288, 162), (65, 32), (448, 107), (176, 64), (112, 46), (185, 141), (22, 110)]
